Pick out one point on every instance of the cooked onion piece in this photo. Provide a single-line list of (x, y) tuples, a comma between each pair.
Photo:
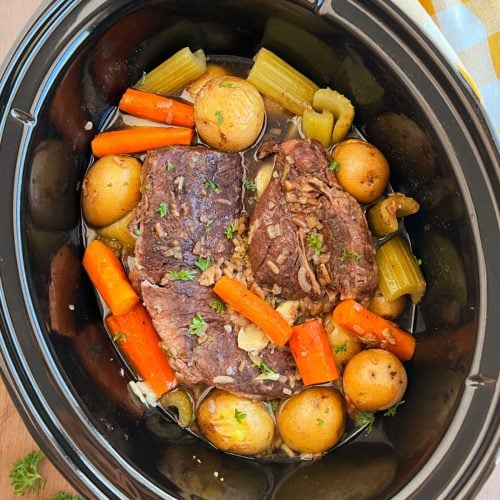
[(312, 421), (236, 424), (374, 380), (229, 113)]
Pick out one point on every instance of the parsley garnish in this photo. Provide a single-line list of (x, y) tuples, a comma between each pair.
[(363, 418), (197, 326), (334, 166), (314, 241), (229, 85), (290, 120), (119, 337), (275, 404), (220, 119), (109, 185), (212, 185), (250, 186), (208, 224), (320, 421), (183, 275), (218, 306), (230, 231), (346, 255), (340, 348), (169, 166), (265, 368), (62, 495), (393, 409), (203, 263), (146, 187), (137, 232), (24, 475), (162, 209), (239, 416)]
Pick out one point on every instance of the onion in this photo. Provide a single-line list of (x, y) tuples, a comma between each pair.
[(304, 283)]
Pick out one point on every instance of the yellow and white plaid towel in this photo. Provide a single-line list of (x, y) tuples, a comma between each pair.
[(468, 33)]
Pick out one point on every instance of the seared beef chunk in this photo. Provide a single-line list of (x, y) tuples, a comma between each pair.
[(307, 235), (190, 196)]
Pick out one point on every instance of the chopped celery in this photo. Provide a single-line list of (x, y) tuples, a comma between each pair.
[(318, 126), (176, 72), (382, 217), (182, 402), (399, 272), (340, 106), (276, 79)]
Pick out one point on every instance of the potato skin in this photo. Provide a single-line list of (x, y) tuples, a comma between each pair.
[(364, 171), (229, 113), (344, 345), (110, 189), (312, 421), (236, 424), (374, 380), (388, 309)]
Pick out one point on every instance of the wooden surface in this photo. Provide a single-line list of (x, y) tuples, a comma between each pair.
[(15, 440)]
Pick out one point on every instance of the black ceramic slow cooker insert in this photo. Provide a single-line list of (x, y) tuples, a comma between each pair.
[(69, 70)]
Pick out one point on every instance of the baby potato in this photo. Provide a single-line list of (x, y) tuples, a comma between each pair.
[(312, 421), (213, 71), (388, 309), (364, 171), (229, 113), (110, 189), (344, 345), (236, 424), (374, 380)]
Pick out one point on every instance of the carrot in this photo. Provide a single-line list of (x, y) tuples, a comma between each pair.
[(139, 139), (374, 330), (106, 273), (157, 108), (312, 353), (137, 339), (257, 310)]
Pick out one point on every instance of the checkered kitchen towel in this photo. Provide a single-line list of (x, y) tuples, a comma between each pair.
[(468, 33)]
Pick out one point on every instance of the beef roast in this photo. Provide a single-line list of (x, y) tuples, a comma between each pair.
[(190, 196), (307, 235)]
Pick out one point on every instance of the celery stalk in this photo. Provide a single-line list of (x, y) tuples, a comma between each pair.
[(175, 73), (276, 79), (318, 126), (340, 106), (399, 272)]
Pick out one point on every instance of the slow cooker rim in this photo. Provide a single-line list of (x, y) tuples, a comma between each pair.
[(8, 364)]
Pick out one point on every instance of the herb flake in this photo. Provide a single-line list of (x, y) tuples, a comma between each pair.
[(218, 306), (320, 421), (230, 231), (182, 275), (137, 232), (228, 85), (340, 348), (169, 166), (347, 255), (197, 326), (211, 185), (250, 186), (314, 241), (363, 418), (62, 495), (203, 263), (391, 412), (239, 415), (163, 209), (334, 166), (220, 118), (119, 337), (208, 225)]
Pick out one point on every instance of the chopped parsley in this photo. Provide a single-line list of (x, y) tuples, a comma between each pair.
[(391, 412), (314, 241), (334, 166), (275, 404), (212, 185), (320, 421), (265, 368), (218, 306), (109, 185), (169, 166), (340, 348), (250, 186), (162, 209), (266, 372), (146, 187), (203, 263), (239, 415), (24, 475), (197, 326), (119, 337), (220, 118), (327, 409), (183, 275), (363, 418), (290, 120), (230, 231), (228, 85), (137, 232), (62, 495), (346, 255), (208, 224)]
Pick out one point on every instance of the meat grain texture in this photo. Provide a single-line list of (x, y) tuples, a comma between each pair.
[(307, 235), (190, 195)]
